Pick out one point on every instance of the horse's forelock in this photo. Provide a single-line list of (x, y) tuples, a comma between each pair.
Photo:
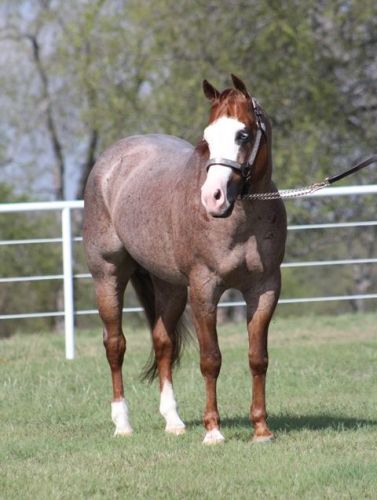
[(234, 104)]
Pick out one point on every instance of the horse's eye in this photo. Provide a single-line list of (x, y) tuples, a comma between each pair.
[(242, 136)]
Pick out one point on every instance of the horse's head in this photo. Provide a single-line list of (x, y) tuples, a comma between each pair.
[(236, 136)]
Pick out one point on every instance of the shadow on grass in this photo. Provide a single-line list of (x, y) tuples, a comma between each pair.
[(289, 423)]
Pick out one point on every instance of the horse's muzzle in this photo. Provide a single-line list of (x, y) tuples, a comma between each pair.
[(217, 201), (219, 191)]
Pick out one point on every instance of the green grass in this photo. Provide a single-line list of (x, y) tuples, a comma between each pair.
[(56, 433)]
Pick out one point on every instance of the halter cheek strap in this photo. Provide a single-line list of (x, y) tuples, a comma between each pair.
[(245, 168)]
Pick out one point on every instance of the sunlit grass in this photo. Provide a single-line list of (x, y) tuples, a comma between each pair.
[(56, 433)]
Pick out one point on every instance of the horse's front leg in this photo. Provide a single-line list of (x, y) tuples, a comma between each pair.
[(204, 299), (260, 308)]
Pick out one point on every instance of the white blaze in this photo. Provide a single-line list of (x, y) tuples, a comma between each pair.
[(218, 175), (221, 138)]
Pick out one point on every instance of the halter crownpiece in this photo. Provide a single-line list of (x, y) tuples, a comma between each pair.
[(245, 168)]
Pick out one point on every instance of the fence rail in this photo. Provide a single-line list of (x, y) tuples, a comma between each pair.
[(68, 277)]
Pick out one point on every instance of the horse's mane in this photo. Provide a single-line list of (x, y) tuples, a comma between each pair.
[(202, 148)]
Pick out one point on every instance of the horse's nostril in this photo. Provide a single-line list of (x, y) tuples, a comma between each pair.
[(217, 194)]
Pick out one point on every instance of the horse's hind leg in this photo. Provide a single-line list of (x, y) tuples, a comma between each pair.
[(170, 302), (111, 277)]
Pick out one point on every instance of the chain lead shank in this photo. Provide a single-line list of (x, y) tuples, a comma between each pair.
[(305, 191), (286, 193)]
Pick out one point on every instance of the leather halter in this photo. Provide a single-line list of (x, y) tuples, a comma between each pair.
[(245, 168)]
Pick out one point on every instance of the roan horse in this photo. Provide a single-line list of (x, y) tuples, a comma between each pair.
[(170, 218)]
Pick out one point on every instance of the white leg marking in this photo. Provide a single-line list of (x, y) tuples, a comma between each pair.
[(168, 409), (119, 415), (213, 437), (262, 439)]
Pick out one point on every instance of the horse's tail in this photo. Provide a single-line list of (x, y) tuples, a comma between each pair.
[(143, 285)]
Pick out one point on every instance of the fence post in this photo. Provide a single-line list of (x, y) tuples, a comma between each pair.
[(69, 320)]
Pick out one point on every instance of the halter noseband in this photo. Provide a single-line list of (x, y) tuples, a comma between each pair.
[(245, 168)]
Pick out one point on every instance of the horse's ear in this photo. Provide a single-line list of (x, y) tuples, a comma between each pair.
[(209, 91), (239, 85)]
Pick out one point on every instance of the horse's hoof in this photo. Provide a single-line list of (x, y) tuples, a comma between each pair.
[(213, 437), (123, 432), (263, 439), (177, 431)]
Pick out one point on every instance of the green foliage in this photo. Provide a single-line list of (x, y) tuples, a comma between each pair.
[(56, 433), (120, 68), (116, 68)]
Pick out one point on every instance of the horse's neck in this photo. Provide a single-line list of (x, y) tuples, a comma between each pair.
[(198, 164), (263, 182)]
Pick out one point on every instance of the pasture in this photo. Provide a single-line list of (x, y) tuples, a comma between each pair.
[(56, 433)]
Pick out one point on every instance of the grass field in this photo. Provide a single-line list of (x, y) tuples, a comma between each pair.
[(56, 433)]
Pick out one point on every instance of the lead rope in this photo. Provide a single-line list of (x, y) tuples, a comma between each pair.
[(286, 193), (312, 188)]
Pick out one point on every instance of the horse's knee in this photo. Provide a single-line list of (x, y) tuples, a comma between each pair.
[(115, 348), (210, 363), (258, 363)]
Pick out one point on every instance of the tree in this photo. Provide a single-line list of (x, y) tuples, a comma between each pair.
[(78, 75), (97, 71)]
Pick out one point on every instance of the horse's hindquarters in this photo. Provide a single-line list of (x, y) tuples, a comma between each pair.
[(141, 199)]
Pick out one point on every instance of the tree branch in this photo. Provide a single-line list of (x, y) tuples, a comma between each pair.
[(50, 121)]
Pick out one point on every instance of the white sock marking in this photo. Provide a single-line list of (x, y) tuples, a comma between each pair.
[(168, 409), (213, 437), (119, 415)]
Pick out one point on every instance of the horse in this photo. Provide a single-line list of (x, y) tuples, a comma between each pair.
[(172, 219)]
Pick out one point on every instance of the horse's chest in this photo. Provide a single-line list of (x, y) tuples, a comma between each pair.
[(252, 257), (241, 259)]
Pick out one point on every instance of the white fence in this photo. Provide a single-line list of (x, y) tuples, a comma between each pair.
[(65, 207)]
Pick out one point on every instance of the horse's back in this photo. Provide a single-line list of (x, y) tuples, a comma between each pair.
[(137, 155), (132, 163)]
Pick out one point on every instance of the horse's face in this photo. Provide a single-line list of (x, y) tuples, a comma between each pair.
[(230, 136), (227, 138)]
